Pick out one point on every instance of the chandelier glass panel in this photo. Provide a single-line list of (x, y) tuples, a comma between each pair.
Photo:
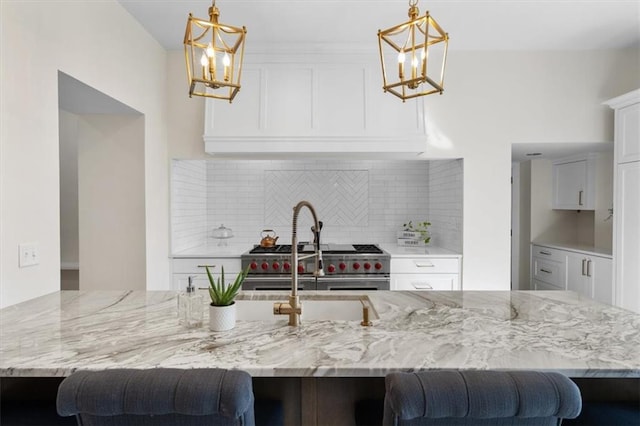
[(413, 56), (214, 54)]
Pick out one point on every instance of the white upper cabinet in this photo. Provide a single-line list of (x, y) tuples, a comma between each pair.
[(626, 202), (628, 133), (298, 106), (574, 183)]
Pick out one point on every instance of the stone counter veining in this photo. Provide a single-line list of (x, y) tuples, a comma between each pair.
[(552, 331)]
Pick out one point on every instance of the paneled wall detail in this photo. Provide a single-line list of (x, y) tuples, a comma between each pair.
[(340, 197), (364, 201)]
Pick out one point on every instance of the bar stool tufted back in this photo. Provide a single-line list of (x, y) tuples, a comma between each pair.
[(158, 396), (479, 398)]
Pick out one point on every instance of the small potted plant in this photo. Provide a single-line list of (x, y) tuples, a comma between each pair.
[(222, 309)]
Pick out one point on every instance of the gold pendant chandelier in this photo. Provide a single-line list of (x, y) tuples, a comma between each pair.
[(214, 54), (419, 48)]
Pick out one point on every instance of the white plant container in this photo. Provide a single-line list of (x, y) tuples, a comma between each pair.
[(409, 242), (411, 235), (222, 318)]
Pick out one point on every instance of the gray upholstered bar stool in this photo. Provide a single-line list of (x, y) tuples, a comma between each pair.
[(479, 398), (158, 397)]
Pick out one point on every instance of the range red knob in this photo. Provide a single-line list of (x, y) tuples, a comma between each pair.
[(253, 266), (378, 265), (367, 266), (356, 266), (286, 266), (264, 266), (300, 269), (275, 266), (342, 266), (331, 268)]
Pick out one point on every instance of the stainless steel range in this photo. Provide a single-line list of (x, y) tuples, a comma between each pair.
[(346, 267)]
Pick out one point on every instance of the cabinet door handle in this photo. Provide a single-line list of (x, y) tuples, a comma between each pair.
[(544, 270), (546, 253), (421, 286), (425, 264), (588, 268), (580, 197), (204, 266), (584, 261)]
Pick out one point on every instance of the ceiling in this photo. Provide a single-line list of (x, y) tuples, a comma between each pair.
[(550, 151), (471, 24)]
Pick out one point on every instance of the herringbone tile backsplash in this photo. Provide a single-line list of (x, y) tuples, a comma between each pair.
[(358, 201), (340, 197)]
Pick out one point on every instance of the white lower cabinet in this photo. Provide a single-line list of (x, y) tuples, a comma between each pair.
[(425, 273), (183, 268), (587, 274), (591, 276), (539, 285)]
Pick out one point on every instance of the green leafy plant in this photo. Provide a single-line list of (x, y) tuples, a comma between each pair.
[(222, 294), (421, 228)]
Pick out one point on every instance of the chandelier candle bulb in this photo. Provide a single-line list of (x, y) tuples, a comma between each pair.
[(226, 61), (204, 62), (401, 64)]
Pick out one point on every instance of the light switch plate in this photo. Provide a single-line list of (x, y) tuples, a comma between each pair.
[(29, 254)]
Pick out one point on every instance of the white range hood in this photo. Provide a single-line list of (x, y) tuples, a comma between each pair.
[(294, 106)]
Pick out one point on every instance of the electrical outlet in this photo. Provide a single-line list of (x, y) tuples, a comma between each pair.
[(29, 254)]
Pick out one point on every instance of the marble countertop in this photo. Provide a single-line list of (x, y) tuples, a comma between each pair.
[(577, 247), (397, 251), (235, 250), (59, 333)]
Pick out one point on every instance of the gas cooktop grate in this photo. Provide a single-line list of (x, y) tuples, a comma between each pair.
[(286, 249)]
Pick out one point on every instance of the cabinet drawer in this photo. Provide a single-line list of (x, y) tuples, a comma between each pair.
[(425, 282), (539, 285), (196, 265), (425, 265), (549, 272), (548, 253)]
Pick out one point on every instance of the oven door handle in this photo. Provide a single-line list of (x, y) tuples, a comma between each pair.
[(351, 279), (273, 279)]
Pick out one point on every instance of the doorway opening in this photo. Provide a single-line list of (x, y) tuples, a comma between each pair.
[(102, 200)]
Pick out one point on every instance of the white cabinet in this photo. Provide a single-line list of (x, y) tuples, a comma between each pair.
[(575, 270), (626, 200), (183, 268), (425, 273), (627, 133), (548, 268), (289, 104), (590, 276), (574, 183), (627, 235)]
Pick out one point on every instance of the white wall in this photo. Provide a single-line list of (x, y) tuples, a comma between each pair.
[(524, 226), (491, 100), (603, 222), (111, 202), (69, 240), (100, 44)]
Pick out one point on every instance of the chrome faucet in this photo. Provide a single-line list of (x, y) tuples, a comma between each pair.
[(294, 307)]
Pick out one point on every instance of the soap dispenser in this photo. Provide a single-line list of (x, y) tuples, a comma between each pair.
[(190, 307)]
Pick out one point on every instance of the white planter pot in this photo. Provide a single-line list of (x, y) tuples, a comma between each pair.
[(222, 318)]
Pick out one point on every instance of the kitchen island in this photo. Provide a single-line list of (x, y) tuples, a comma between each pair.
[(56, 334)]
